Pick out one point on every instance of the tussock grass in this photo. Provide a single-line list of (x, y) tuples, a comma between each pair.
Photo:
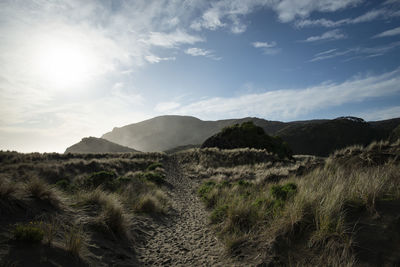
[(152, 203), (112, 216), (313, 204), (41, 190), (75, 240), (7, 189)]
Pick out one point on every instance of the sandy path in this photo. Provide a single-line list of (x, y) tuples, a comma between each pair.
[(183, 238)]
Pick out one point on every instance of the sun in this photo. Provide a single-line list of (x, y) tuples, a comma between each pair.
[(63, 64)]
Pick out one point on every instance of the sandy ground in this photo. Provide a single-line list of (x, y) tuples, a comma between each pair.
[(185, 237)]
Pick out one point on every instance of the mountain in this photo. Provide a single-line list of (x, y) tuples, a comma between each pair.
[(97, 145), (167, 132), (248, 135), (325, 137), (315, 137)]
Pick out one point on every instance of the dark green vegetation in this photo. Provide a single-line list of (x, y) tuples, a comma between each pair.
[(313, 137), (325, 137), (248, 135), (97, 145)]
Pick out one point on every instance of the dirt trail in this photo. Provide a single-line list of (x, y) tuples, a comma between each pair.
[(184, 238)]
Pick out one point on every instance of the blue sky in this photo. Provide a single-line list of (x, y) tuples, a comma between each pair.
[(70, 69)]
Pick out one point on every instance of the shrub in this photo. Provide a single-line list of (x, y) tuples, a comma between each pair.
[(63, 184), (283, 192), (154, 177), (103, 178), (28, 233), (154, 166), (219, 214)]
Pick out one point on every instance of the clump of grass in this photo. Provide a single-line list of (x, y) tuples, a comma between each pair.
[(74, 240), (154, 166), (105, 179), (7, 189), (283, 192), (30, 233), (112, 215), (39, 189), (152, 203)]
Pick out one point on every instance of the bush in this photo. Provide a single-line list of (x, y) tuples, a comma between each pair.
[(283, 192), (155, 177), (219, 214), (103, 178), (28, 233), (154, 166), (63, 184)]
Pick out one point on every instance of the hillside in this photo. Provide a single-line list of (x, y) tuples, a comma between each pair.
[(97, 145), (248, 135), (168, 132), (315, 137)]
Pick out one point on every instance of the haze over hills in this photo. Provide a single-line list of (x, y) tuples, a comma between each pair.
[(97, 145), (317, 137)]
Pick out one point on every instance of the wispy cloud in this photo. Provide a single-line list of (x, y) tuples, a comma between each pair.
[(156, 59), (392, 32), (383, 13), (329, 35), (380, 113), (228, 14), (268, 48), (171, 40), (196, 52), (357, 52), (293, 103)]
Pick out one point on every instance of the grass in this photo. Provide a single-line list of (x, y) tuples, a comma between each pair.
[(313, 205), (30, 233), (112, 216), (152, 203), (75, 241), (41, 190)]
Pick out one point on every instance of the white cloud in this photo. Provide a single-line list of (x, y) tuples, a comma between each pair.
[(228, 13), (357, 52), (171, 40), (329, 35), (264, 44), (392, 32), (156, 59), (268, 48), (293, 103), (195, 51), (371, 15), (380, 114)]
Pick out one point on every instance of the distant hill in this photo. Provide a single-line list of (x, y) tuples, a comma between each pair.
[(167, 132), (248, 135), (97, 145), (325, 137), (316, 137)]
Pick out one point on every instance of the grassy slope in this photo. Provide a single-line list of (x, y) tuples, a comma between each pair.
[(82, 206), (341, 213)]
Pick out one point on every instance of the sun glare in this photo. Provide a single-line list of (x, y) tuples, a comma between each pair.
[(63, 64)]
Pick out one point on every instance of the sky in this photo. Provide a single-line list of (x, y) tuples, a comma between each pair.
[(71, 69)]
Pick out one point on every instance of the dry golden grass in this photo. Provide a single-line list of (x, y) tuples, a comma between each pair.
[(39, 189), (248, 210), (112, 215)]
